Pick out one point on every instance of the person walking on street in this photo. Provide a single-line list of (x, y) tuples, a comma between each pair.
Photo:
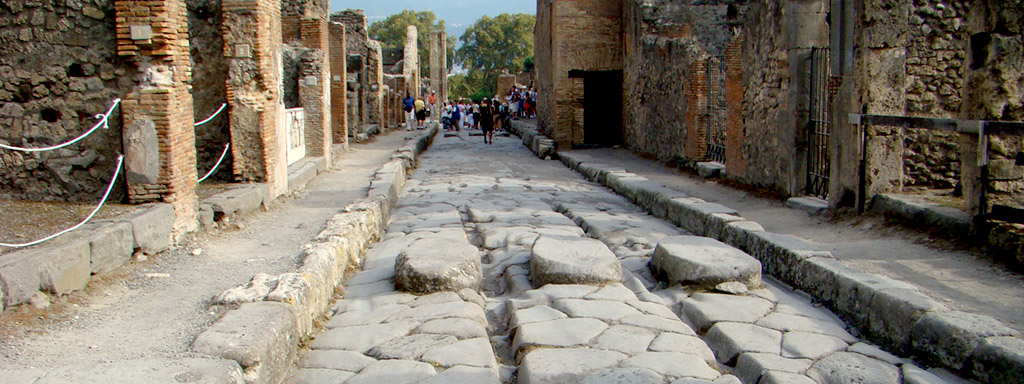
[(432, 102), (421, 113), (456, 117), (476, 115), (487, 121), (408, 104)]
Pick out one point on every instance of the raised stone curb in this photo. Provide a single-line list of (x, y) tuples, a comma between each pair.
[(296, 301), (68, 263), (951, 221), (888, 311), (542, 146)]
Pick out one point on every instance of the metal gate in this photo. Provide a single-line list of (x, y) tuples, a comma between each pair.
[(819, 125), (715, 109)]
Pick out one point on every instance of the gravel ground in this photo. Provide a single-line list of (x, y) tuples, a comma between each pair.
[(26, 221), (155, 308)]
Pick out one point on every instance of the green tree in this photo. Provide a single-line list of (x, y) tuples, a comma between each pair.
[(471, 86), (391, 34), (495, 44)]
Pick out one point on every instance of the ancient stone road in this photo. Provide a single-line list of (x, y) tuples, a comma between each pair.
[(482, 227)]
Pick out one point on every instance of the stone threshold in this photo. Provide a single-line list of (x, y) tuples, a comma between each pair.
[(923, 214)]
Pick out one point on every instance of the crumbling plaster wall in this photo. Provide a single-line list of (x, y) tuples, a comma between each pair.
[(59, 68)]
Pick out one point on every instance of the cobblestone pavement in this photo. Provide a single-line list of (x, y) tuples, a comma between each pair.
[(499, 267)]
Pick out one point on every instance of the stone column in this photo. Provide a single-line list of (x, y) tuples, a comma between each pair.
[(252, 41), (314, 87), (159, 138), (436, 69), (375, 81), (442, 80), (411, 67), (339, 91)]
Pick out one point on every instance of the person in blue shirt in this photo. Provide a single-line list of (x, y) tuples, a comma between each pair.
[(408, 105)]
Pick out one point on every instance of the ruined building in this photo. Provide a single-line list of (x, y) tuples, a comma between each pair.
[(296, 84), (788, 95)]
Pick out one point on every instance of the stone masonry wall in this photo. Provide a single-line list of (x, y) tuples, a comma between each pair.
[(59, 68)]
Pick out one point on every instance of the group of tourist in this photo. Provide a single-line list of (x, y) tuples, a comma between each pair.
[(417, 110), (487, 115), (523, 102)]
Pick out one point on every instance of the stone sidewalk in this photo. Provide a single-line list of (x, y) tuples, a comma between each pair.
[(500, 267)]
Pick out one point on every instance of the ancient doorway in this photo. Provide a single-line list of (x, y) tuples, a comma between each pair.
[(602, 107), (819, 125)]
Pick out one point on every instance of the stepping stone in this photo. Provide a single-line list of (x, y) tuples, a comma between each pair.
[(437, 265), (694, 260), (750, 366), (847, 367), (557, 366), (573, 260), (728, 340)]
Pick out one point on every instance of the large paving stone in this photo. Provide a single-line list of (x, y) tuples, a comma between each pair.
[(262, 337), (750, 366), (336, 360), (573, 260), (949, 338), (598, 309), (787, 322), (536, 314), (853, 368), (706, 309), (728, 340), (703, 261), (464, 375), (673, 364), (436, 265), (674, 342), (623, 376), (805, 345), (558, 366), (658, 323), (394, 372), (319, 376), (458, 327), (558, 333), (409, 347), (777, 377), (472, 352), (626, 339), (362, 338)]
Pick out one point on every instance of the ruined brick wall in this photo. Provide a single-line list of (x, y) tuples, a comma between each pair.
[(339, 93), (542, 53), (59, 68), (209, 74), (670, 45)]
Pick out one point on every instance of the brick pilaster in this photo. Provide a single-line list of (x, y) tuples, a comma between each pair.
[(735, 136), (159, 139), (339, 91), (314, 87), (252, 40), (696, 100)]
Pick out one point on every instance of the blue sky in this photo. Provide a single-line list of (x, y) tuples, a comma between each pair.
[(458, 14)]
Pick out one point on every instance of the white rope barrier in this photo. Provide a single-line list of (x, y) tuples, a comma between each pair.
[(215, 166), (104, 119), (106, 195), (213, 116)]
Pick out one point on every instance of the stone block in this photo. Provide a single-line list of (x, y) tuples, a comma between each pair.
[(556, 366), (319, 376), (299, 175), (729, 340), (846, 367), (705, 309), (710, 170), (362, 338), (781, 255), (436, 265), (812, 205), (336, 360), (950, 338), (673, 364), (152, 226), (394, 371), (692, 260), (475, 352), (891, 314), (573, 260), (807, 345), (785, 378), (923, 213), (238, 200), (999, 360), (111, 245), (463, 374), (59, 267), (750, 366), (262, 337), (562, 333)]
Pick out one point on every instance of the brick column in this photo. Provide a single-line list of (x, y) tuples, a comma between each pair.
[(314, 89), (735, 136), (159, 139), (339, 91), (696, 103), (252, 40)]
